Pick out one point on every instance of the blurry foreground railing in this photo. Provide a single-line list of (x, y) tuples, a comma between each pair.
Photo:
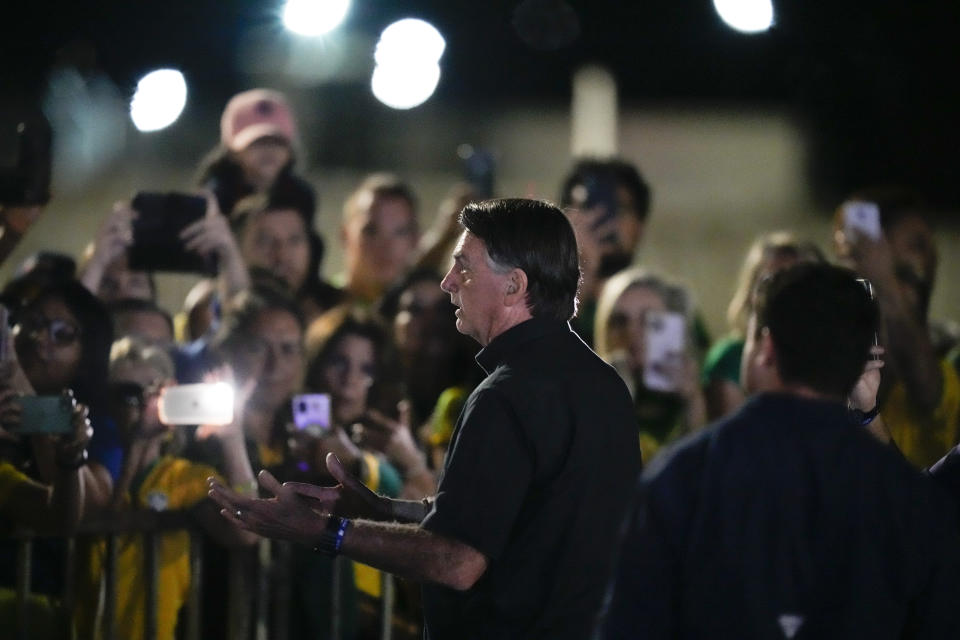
[(267, 587)]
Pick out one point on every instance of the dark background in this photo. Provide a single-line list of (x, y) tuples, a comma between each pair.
[(875, 84)]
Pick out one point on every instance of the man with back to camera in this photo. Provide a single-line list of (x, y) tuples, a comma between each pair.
[(787, 519), (518, 541)]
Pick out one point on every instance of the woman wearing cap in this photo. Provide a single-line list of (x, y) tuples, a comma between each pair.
[(257, 134)]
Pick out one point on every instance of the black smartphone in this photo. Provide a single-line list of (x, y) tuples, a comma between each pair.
[(868, 287), (602, 194), (156, 233)]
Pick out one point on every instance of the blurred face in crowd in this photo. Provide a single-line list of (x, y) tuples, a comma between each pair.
[(119, 282), (149, 326), (475, 289), (379, 241), (278, 241), (626, 332), (137, 411), (348, 375), (272, 354), (262, 161), (423, 325), (47, 340), (617, 249)]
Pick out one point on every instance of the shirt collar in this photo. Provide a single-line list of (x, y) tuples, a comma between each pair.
[(504, 345), (790, 404)]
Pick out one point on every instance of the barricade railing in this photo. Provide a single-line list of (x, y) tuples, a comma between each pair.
[(268, 588)]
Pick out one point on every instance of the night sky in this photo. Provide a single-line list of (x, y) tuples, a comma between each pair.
[(874, 83)]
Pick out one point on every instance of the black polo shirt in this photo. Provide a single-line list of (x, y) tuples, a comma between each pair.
[(538, 476), (786, 521)]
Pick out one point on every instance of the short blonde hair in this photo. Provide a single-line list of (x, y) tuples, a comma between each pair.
[(134, 351)]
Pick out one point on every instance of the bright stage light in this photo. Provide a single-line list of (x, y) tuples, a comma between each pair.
[(407, 57), (746, 16), (314, 17), (159, 100), (405, 88)]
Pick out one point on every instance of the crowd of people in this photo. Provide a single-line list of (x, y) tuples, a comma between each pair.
[(492, 518)]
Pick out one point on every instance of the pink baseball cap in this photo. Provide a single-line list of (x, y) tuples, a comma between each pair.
[(255, 114)]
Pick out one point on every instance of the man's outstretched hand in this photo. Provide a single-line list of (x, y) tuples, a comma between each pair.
[(298, 511), (348, 499), (285, 516)]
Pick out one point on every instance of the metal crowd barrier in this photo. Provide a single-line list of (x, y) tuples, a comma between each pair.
[(270, 588)]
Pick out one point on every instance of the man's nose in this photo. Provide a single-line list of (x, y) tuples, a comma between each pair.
[(447, 284)]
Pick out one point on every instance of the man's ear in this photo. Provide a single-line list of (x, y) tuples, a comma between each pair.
[(515, 288)]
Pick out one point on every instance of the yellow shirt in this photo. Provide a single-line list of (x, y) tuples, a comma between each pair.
[(171, 484), (925, 438), (367, 579), (10, 479)]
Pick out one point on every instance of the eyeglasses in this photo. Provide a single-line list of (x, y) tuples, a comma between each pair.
[(62, 333)]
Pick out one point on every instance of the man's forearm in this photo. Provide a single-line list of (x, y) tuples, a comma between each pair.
[(413, 553), (915, 361)]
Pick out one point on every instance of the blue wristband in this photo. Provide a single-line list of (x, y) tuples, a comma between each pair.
[(341, 531), (331, 540)]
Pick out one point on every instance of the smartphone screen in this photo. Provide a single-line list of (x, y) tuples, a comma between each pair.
[(311, 413), (45, 414), (665, 349), (862, 217), (156, 233), (200, 403)]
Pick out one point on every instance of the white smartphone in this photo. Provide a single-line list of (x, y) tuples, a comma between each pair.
[(311, 413), (201, 403), (665, 333), (862, 217)]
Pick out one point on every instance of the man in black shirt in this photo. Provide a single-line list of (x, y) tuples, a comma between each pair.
[(787, 520), (518, 542)]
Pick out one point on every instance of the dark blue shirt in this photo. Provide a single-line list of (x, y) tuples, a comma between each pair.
[(786, 520)]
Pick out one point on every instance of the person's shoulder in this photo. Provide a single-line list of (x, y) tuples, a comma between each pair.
[(693, 450)]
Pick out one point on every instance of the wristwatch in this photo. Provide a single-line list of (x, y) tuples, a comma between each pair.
[(332, 537)]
